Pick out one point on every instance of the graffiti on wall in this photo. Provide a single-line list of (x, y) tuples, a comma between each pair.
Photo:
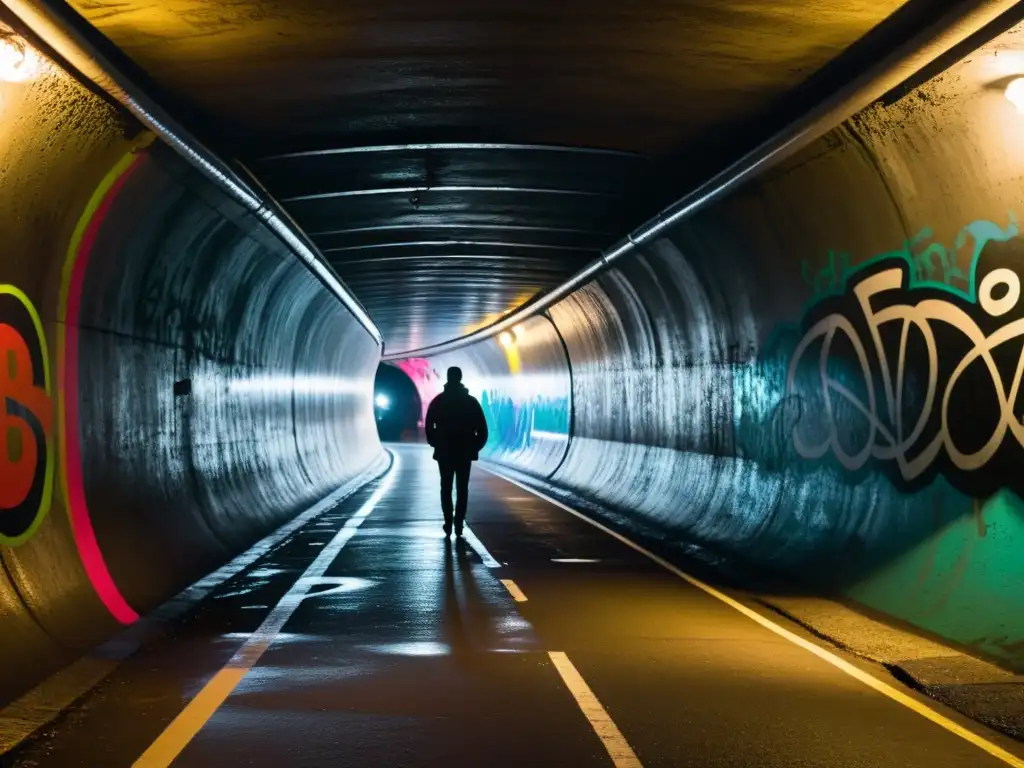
[(514, 425), (931, 262), (77, 259), (26, 419), (428, 381), (912, 363)]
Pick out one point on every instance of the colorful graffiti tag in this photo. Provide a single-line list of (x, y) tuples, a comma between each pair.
[(514, 426), (930, 262), (72, 284), (427, 381), (26, 419), (913, 363)]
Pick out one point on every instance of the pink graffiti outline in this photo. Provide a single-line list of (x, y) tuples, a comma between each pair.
[(86, 234)]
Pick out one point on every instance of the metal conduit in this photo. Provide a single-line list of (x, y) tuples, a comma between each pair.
[(58, 28), (890, 70)]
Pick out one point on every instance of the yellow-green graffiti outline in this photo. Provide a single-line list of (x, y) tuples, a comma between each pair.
[(47, 500)]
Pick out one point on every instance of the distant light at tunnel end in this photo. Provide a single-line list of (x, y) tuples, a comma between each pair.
[(1015, 94)]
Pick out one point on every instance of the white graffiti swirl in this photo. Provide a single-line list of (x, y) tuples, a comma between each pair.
[(892, 439)]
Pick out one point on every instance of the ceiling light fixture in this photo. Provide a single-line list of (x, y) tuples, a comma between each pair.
[(1015, 94), (18, 60)]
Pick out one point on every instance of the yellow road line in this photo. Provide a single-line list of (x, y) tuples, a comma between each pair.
[(513, 589), (169, 744), (621, 753), (836, 661)]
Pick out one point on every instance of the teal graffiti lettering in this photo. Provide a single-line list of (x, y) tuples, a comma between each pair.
[(931, 264)]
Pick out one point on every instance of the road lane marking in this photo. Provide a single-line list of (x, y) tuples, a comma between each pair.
[(479, 548), (513, 589), (825, 655), (162, 752), (621, 753), (38, 707)]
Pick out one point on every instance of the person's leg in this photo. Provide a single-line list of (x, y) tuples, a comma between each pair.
[(461, 494), (447, 476)]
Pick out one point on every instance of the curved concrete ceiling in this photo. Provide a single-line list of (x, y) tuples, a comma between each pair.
[(453, 159)]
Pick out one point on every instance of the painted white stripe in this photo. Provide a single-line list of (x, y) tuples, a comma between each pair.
[(479, 548), (36, 708), (822, 653), (513, 589), (162, 752), (621, 753)]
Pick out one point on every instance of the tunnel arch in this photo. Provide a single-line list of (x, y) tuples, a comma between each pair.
[(210, 386)]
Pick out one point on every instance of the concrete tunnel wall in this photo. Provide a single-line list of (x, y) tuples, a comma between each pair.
[(820, 373), (176, 384), (684, 386)]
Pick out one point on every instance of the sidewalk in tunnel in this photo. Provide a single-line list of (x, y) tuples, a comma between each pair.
[(411, 652)]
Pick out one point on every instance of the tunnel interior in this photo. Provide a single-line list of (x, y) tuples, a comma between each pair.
[(815, 374)]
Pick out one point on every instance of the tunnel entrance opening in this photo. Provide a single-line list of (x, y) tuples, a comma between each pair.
[(397, 407)]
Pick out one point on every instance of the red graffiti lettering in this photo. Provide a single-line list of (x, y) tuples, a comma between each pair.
[(17, 440)]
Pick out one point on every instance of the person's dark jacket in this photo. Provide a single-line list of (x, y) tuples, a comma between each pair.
[(456, 427)]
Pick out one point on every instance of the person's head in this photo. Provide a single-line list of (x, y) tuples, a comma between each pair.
[(454, 375)]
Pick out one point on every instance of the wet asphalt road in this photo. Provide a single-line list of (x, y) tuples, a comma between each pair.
[(411, 652)]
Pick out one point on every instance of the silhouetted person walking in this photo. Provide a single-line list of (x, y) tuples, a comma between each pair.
[(457, 430)]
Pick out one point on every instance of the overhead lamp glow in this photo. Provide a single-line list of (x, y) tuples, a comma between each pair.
[(1015, 94), (382, 402), (18, 60)]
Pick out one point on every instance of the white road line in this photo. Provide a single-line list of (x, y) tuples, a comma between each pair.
[(513, 589), (26, 715), (822, 653), (162, 752), (621, 753), (479, 548)]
